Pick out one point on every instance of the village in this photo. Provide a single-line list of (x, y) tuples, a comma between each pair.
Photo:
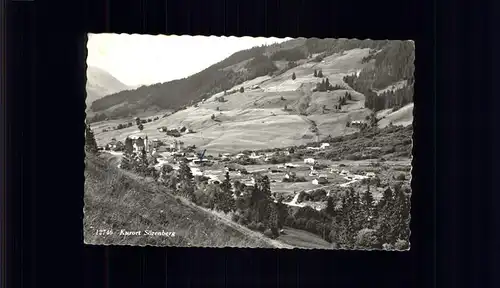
[(292, 178)]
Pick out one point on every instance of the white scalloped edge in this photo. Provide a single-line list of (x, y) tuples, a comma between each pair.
[(254, 247)]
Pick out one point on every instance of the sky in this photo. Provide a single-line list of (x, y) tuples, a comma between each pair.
[(147, 59)]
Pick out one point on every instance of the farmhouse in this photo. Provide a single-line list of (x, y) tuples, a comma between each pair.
[(320, 181), (324, 145), (334, 170), (309, 161), (138, 144), (312, 148), (290, 165), (255, 156), (359, 124), (240, 155), (273, 171), (344, 172), (196, 171)]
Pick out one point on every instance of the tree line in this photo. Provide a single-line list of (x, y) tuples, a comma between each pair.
[(354, 220), (350, 219), (394, 63)]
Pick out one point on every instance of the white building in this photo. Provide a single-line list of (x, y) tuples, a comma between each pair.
[(312, 148), (344, 172), (239, 156), (320, 181), (324, 145), (309, 161)]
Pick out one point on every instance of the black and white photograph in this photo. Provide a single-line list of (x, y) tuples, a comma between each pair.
[(248, 142)]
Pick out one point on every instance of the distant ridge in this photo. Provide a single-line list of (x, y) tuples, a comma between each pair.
[(101, 83)]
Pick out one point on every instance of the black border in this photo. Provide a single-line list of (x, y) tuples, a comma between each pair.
[(45, 241)]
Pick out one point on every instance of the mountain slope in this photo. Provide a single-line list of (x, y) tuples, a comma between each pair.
[(240, 67), (116, 201), (100, 83), (252, 115)]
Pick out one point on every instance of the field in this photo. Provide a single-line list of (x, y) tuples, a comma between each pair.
[(302, 239)]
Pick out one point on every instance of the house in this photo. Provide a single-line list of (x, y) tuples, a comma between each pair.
[(370, 175), (313, 173), (324, 145), (155, 143), (309, 161), (358, 124), (290, 165), (272, 171), (138, 144), (173, 133), (255, 156), (118, 146), (163, 129), (320, 181), (213, 179), (197, 162), (196, 171), (240, 155), (344, 172)]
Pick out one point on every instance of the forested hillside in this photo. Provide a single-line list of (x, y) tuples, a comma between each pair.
[(392, 66), (392, 62)]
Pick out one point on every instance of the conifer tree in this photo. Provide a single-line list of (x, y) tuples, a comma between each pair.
[(242, 89), (367, 207), (90, 143), (315, 73), (225, 200), (330, 207), (293, 76), (127, 162), (401, 215), (282, 212), (142, 165), (385, 208), (273, 222), (186, 179), (320, 74)]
